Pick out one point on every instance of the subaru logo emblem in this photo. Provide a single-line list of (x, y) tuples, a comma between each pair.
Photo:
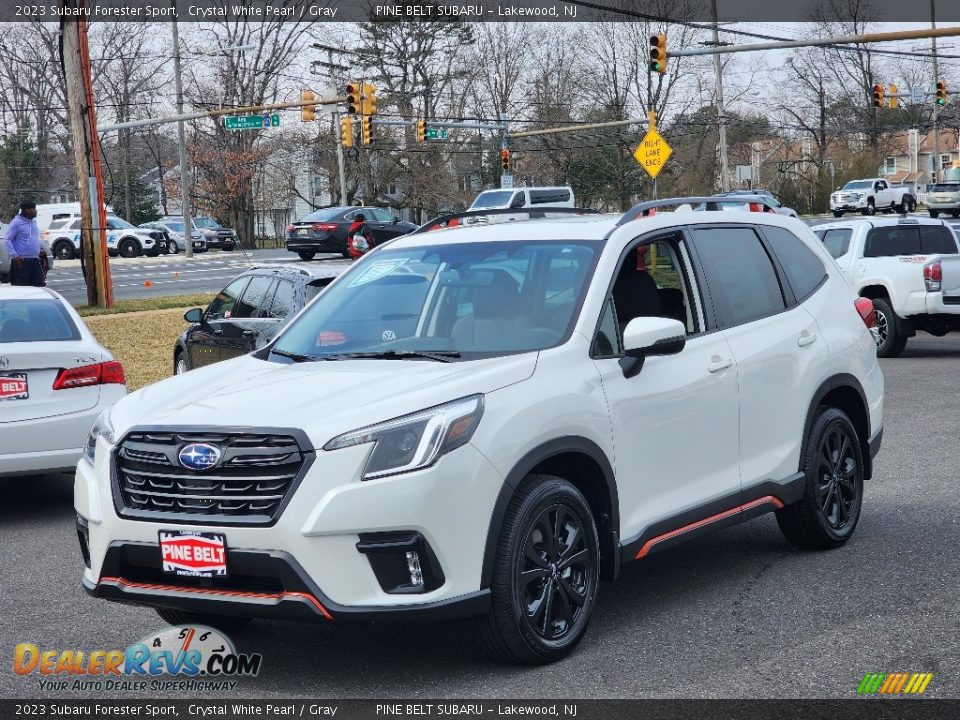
[(199, 456)]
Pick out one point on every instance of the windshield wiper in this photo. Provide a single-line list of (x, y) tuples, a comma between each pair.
[(437, 355), (294, 356)]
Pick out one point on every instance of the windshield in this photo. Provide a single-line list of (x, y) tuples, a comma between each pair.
[(325, 214), (115, 222), (472, 300), (497, 198), (858, 185), (205, 222), (175, 226)]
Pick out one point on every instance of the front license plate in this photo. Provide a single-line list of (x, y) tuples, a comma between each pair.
[(194, 554), (13, 386)]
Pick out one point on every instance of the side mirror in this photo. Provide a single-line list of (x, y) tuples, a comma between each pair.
[(396, 219), (646, 336), (194, 315)]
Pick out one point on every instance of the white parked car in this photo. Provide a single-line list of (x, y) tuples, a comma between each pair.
[(868, 197), (123, 239), (473, 422), (55, 379)]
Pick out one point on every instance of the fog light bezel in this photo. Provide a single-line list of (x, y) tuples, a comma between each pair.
[(388, 554)]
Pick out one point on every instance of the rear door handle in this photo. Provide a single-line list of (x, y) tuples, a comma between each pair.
[(806, 339), (716, 364), (249, 333)]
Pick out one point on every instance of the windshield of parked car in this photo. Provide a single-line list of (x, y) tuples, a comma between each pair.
[(35, 321), (494, 199), (116, 222), (467, 300), (205, 222), (325, 214), (858, 185), (175, 226)]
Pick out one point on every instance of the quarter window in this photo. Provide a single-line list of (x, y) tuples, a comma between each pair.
[(804, 269), (740, 274), (283, 300)]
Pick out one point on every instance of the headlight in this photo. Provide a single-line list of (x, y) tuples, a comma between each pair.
[(415, 441), (101, 428)]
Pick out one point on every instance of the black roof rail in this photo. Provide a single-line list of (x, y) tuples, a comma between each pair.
[(711, 202), (535, 213)]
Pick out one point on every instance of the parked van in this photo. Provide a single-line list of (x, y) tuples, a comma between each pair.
[(49, 212), (524, 197)]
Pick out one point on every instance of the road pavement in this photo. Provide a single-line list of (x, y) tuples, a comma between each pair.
[(739, 613)]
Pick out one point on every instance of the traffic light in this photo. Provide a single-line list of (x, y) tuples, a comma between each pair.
[(353, 98), (368, 99), (505, 160), (878, 95), (941, 93), (366, 129), (893, 102), (346, 131), (421, 130), (658, 53), (308, 113)]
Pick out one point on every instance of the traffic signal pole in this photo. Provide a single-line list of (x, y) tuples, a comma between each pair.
[(182, 147), (721, 111), (936, 104)]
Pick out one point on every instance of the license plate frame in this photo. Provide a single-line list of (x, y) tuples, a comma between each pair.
[(7, 392), (179, 553)]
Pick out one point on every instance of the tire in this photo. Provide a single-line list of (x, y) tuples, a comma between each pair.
[(827, 514), (837, 214), (64, 250), (172, 247), (129, 248), (304, 255), (955, 214), (225, 623), (911, 204), (870, 209), (510, 632), (181, 363), (934, 214), (890, 341)]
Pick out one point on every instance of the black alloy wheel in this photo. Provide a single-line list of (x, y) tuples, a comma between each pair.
[(546, 574), (827, 514)]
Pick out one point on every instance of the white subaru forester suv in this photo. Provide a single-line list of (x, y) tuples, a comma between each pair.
[(488, 421)]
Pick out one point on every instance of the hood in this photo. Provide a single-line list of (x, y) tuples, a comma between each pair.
[(324, 398)]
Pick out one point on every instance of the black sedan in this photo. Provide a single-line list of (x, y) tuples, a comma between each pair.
[(325, 231)]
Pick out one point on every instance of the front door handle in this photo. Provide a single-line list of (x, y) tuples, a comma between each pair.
[(249, 333), (716, 364), (806, 339)]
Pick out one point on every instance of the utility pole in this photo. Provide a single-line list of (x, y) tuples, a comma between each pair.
[(336, 74), (936, 107), (182, 140), (86, 156), (721, 111)]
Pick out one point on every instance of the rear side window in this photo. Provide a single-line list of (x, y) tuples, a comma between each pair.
[(937, 240), (803, 268), (740, 274), (35, 321), (538, 197), (892, 241), (283, 300), (837, 242)]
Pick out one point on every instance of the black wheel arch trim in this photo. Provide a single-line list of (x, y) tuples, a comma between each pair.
[(835, 382), (607, 532)]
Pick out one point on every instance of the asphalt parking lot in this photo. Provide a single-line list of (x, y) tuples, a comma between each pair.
[(738, 614)]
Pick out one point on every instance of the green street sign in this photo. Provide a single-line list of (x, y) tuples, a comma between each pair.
[(251, 122), (436, 134)]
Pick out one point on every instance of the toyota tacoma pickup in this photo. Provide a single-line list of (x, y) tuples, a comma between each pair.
[(909, 267), (870, 196)]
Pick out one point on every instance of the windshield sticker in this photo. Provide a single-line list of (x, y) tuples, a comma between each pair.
[(378, 270)]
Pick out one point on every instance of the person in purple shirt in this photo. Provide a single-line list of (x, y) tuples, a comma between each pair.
[(23, 244)]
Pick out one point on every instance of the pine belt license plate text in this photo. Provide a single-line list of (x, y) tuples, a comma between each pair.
[(194, 554), (13, 386)]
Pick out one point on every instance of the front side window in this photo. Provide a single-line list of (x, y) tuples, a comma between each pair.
[(253, 298), (740, 274), (223, 304), (803, 269), (492, 199), (477, 299)]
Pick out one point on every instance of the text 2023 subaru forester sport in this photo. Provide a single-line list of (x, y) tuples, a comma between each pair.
[(488, 421)]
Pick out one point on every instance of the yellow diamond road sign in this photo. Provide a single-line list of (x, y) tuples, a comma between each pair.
[(652, 153)]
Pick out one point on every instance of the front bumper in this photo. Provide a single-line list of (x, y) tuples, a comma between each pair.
[(309, 558)]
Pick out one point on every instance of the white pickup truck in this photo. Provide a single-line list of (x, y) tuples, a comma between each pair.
[(909, 267), (871, 196)]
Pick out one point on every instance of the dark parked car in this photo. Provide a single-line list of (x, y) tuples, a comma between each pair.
[(247, 313), (216, 235), (325, 231)]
